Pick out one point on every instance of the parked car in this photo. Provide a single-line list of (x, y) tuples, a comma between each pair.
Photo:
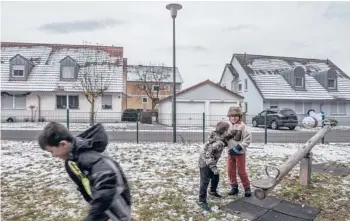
[(276, 118), (131, 115)]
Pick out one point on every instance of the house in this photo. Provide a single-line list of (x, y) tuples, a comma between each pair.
[(48, 79), (147, 83), (287, 82), (205, 97)]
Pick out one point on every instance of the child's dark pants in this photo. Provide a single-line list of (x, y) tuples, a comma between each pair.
[(206, 174)]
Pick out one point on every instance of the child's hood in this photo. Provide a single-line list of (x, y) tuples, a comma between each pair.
[(95, 138)]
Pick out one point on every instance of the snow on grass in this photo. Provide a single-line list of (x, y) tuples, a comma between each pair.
[(156, 128), (164, 179)]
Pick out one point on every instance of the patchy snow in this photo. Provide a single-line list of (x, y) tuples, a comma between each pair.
[(164, 179), (72, 126), (156, 128)]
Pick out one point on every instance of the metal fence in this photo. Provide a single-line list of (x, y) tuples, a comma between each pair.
[(190, 127)]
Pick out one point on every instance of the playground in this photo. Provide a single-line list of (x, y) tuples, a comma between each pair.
[(164, 179)]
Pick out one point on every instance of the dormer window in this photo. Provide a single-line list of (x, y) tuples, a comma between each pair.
[(332, 83), (299, 82), (328, 79), (18, 70), (69, 68), (67, 72)]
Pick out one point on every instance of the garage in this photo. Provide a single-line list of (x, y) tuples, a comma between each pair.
[(218, 111), (190, 113), (206, 97)]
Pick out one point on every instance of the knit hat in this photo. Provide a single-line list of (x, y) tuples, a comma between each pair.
[(222, 126), (234, 111)]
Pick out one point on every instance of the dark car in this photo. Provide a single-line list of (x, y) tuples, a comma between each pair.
[(276, 118), (131, 115)]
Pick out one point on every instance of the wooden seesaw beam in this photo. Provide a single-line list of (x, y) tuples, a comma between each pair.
[(266, 185)]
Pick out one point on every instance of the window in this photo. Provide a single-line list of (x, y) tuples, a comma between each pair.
[(155, 88), (13, 102), (263, 113), (338, 108), (331, 83), (246, 107), (245, 84), (307, 106), (67, 72), (145, 100), (7, 102), (20, 102), (73, 101), (178, 87), (17, 70), (106, 101), (239, 87), (273, 104), (302, 107), (299, 82), (167, 87), (61, 101), (299, 107)]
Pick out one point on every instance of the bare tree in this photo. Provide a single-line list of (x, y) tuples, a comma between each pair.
[(94, 76), (152, 80)]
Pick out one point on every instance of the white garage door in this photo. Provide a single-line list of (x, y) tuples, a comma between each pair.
[(218, 112), (190, 113)]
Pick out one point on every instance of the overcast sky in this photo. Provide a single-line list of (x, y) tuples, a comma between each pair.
[(207, 33)]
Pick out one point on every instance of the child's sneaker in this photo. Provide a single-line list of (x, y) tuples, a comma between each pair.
[(216, 194), (247, 192), (204, 206), (234, 190)]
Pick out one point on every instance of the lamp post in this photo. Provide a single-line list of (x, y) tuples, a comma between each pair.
[(173, 10)]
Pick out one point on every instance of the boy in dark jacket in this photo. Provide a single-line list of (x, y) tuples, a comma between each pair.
[(208, 159), (99, 178)]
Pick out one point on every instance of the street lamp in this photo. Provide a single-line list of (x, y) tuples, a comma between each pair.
[(173, 11)]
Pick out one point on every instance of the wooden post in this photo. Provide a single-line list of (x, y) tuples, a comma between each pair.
[(305, 170)]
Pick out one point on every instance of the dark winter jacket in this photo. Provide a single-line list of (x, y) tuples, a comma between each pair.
[(99, 178), (211, 152)]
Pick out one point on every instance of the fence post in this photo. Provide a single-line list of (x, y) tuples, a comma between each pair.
[(203, 127), (323, 118), (67, 118), (137, 128), (266, 127)]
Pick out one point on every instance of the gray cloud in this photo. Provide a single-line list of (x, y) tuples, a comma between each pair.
[(79, 26), (196, 48), (337, 10), (242, 28), (299, 44), (191, 48)]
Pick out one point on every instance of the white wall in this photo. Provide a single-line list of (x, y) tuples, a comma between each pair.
[(226, 79), (50, 112), (342, 119), (207, 94), (252, 95)]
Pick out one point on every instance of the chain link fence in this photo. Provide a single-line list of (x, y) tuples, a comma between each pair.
[(135, 127)]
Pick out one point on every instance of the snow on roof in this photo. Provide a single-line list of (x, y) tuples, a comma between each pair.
[(135, 72), (265, 74), (45, 75), (267, 85)]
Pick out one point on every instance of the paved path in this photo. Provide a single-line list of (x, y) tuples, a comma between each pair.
[(167, 136)]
